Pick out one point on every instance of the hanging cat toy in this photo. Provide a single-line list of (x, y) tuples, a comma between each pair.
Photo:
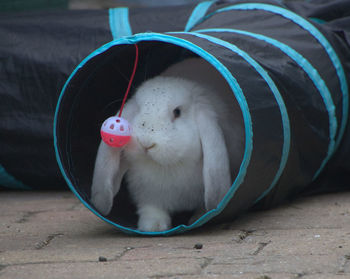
[(115, 130)]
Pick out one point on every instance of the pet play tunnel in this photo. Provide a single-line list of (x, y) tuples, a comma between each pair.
[(288, 74)]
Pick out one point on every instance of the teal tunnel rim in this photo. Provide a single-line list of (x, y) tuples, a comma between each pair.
[(237, 91)]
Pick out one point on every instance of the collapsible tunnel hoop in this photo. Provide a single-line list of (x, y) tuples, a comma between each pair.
[(240, 99), (236, 90)]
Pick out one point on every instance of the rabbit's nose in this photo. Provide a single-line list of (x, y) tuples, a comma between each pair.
[(149, 147), (146, 148), (146, 145)]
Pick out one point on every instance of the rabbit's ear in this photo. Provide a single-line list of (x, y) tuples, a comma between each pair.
[(216, 166), (110, 168)]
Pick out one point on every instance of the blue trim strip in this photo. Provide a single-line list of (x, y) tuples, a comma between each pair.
[(119, 22), (276, 93), (197, 14), (317, 20), (237, 91), (7, 180), (306, 25), (309, 70)]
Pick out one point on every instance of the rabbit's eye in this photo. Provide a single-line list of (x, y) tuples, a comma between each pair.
[(177, 112)]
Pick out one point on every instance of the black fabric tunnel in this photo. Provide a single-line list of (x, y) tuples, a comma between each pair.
[(288, 74)]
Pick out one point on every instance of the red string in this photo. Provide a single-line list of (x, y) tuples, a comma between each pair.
[(131, 79)]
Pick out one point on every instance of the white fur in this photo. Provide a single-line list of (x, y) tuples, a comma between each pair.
[(174, 164)]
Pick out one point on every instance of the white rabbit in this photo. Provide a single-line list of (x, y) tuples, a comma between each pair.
[(187, 143)]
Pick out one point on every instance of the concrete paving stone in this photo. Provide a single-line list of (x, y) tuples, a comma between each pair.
[(28, 201), (17, 235), (103, 234), (115, 269), (208, 251), (59, 255), (306, 242), (249, 275), (272, 264), (18, 243), (328, 213), (31, 220), (66, 220), (257, 275), (7, 223), (325, 276)]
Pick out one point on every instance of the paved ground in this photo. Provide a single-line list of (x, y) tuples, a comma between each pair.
[(51, 235)]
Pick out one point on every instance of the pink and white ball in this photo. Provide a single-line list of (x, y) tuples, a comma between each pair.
[(116, 131)]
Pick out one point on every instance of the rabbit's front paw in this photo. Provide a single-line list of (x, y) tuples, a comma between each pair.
[(152, 219), (103, 201)]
